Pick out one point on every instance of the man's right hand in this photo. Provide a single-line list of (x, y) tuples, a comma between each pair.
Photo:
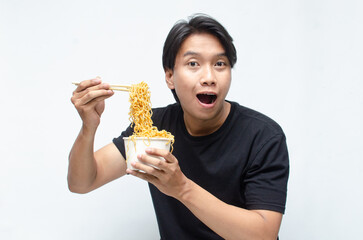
[(89, 100), (87, 169)]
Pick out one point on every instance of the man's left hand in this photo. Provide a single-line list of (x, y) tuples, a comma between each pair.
[(165, 175)]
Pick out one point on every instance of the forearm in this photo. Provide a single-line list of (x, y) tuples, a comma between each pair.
[(82, 169), (230, 222)]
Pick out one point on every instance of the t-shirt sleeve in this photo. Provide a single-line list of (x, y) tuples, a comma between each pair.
[(119, 142), (266, 179)]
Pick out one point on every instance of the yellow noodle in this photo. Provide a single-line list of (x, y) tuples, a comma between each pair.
[(140, 115)]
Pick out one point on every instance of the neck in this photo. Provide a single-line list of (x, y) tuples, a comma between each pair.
[(201, 127)]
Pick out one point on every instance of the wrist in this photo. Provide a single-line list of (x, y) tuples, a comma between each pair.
[(88, 130), (186, 191)]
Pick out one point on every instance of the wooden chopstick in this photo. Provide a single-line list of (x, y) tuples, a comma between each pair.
[(124, 88)]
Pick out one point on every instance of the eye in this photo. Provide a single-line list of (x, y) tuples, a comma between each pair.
[(192, 64), (221, 64)]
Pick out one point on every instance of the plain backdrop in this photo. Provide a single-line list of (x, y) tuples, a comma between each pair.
[(299, 62)]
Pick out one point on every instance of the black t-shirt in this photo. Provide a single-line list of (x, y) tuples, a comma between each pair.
[(244, 163)]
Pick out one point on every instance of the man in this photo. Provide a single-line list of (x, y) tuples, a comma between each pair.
[(227, 176)]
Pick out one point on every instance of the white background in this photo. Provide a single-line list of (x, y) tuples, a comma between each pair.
[(299, 62)]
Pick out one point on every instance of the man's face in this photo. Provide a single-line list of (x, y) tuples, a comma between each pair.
[(201, 77)]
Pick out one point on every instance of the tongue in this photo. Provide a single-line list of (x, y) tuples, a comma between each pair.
[(206, 99)]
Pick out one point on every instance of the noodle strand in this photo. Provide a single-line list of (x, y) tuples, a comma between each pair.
[(141, 112)]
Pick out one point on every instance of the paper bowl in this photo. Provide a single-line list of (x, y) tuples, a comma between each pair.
[(138, 146)]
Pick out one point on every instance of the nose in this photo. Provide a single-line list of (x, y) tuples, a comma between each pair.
[(208, 77)]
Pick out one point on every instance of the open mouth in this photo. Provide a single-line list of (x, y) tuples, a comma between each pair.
[(207, 98)]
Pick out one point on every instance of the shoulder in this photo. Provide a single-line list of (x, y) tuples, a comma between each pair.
[(167, 113), (255, 121), (161, 112), (263, 137), (169, 108)]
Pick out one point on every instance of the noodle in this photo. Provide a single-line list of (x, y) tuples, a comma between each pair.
[(140, 115)]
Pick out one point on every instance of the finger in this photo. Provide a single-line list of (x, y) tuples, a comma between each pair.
[(84, 87), (87, 83), (157, 162), (147, 169), (161, 153), (91, 100), (142, 175), (90, 105), (102, 98), (95, 96), (100, 86)]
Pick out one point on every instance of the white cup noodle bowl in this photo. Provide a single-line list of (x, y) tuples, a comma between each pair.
[(141, 144)]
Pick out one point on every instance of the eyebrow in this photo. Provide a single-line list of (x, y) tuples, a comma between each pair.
[(192, 53)]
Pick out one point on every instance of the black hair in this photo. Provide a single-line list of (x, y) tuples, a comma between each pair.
[(198, 23)]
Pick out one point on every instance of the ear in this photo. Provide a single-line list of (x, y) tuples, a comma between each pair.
[(169, 78)]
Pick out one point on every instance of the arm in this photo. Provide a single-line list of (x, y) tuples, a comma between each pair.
[(230, 222), (88, 170)]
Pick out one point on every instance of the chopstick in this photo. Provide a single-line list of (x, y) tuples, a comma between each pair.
[(124, 88)]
